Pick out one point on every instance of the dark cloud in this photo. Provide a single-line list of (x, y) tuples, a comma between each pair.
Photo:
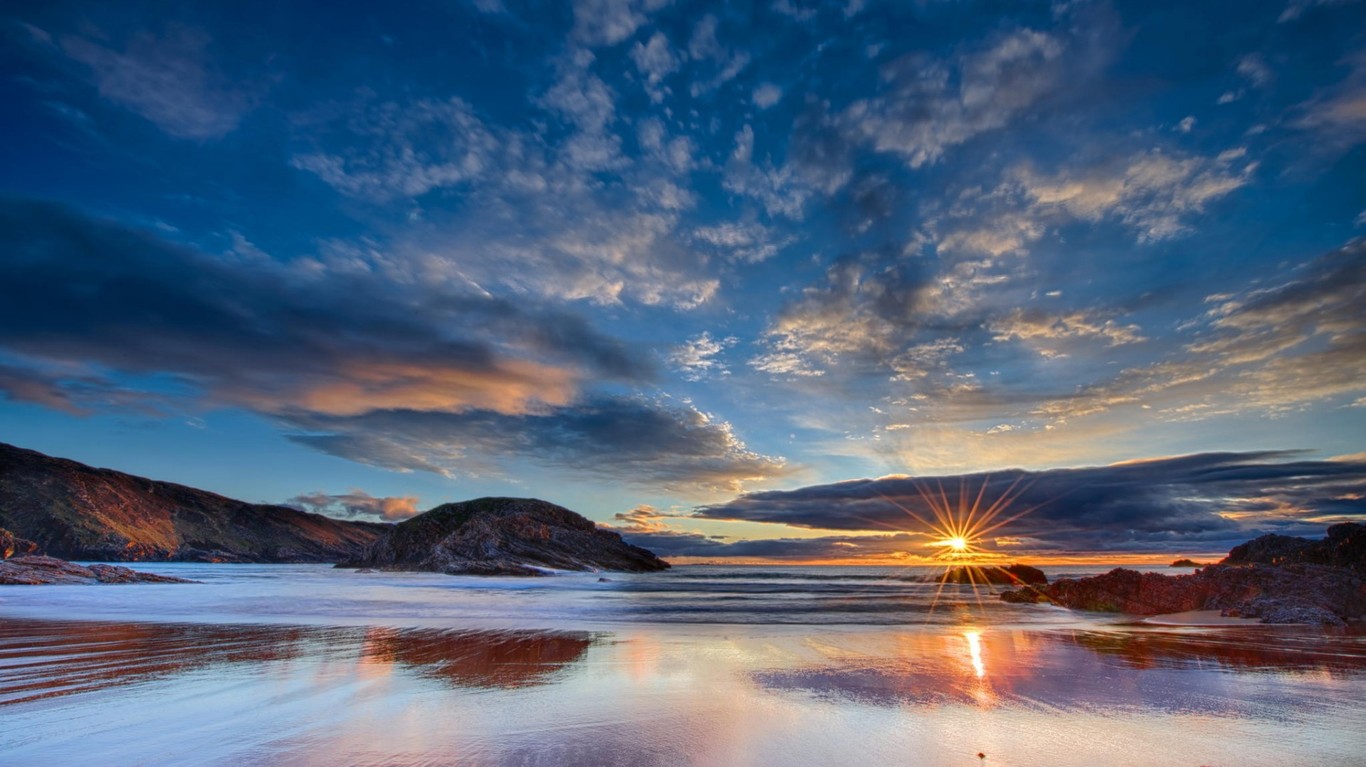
[(631, 439), (92, 295), (448, 383), (1210, 499), (682, 544), (357, 504)]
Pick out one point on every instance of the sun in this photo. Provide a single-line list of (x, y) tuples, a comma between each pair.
[(957, 543)]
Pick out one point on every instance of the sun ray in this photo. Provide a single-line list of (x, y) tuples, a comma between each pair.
[(958, 525)]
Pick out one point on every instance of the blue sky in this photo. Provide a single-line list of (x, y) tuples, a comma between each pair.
[(644, 258)]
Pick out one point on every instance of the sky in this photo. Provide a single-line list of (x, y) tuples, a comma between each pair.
[(766, 281)]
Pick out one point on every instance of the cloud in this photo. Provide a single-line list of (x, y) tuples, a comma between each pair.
[(781, 190), (608, 22), (357, 504), (879, 548), (1212, 500), (696, 357), (1297, 8), (1154, 192), (932, 105), (1255, 69), (704, 46), (168, 79), (405, 150), (866, 308), (624, 439), (656, 60), (1051, 333), (744, 242), (766, 95), (1338, 113), (641, 519), (396, 379), (100, 298)]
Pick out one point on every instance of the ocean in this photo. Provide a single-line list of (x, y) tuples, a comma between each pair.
[(701, 665)]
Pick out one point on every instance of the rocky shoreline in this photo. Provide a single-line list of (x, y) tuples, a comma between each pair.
[(1277, 579), (40, 571), (21, 564)]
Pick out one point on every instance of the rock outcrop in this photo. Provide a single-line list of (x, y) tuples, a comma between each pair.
[(75, 511), (1344, 546), (12, 545), (1286, 591), (503, 536), (40, 570), (1010, 575)]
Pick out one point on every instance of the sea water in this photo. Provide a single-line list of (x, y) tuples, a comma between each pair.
[(700, 665)]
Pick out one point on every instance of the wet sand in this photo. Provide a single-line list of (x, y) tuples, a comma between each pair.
[(124, 693), (1200, 618)]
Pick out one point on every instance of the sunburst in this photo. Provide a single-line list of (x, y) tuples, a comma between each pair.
[(960, 527)]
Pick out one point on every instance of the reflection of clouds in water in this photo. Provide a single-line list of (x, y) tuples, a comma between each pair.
[(661, 695), (54, 658)]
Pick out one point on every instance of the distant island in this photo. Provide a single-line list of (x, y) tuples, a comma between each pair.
[(1187, 563), (503, 536), (70, 511), (1274, 578)]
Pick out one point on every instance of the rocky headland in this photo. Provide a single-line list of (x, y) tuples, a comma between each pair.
[(74, 511), (1275, 578), (503, 536)]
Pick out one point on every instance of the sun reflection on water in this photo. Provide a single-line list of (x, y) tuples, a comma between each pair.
[(975, 652)]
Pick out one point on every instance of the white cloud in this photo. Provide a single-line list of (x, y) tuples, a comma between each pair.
[(697, 357), (1155, 192), (1255, 69), (1297, 8), (656, 60), (766, 95), (407, 150), (933, 105), (608, 22), (744, 242), (1339, 113)]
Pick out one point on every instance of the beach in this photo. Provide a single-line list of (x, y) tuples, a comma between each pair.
[(698, 666)]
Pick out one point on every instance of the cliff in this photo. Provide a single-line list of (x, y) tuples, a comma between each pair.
[(74, 511), (503, 536)]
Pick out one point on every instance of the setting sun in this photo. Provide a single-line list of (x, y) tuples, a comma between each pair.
[(957, 543)]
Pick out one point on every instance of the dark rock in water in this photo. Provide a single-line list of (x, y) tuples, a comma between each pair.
[(37, 570), (75, 511), (1010, 575), (503, 536), (1186, 563), (1296, 593), (11, 545), (1345, 546)]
